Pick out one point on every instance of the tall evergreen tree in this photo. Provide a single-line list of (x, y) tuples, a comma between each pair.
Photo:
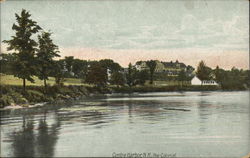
[(45, 54), (24, 46)]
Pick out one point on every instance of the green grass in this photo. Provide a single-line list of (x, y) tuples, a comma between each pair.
[(11, 80), (168, 83)]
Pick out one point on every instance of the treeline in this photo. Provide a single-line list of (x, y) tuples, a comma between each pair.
[(234, 79)]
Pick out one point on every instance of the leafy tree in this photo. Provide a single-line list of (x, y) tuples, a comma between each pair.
[(219, 74), (97, 74), (130, 76), (182, 76), (79, 68), (69, 60), (247, 78), (44, 57), (141, 77), (117, 78), (151, 65), (22, 42), (58, 72), (232, 79), (6, 63), (203, 72), (111, 65)]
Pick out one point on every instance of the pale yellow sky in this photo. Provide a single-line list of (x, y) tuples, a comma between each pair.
[(225, 59)]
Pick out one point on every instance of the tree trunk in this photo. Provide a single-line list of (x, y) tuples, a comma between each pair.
[(151, 79), (24, 84), (45, 85)]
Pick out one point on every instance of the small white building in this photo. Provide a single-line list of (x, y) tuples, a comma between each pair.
[(197, 81)]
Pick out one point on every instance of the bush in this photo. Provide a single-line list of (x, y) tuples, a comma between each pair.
[(6, 100), (18, 98), (34, 96)]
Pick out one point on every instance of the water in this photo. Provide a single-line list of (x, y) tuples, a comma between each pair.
[(190, 124)]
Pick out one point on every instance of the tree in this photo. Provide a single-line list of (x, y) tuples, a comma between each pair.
[(6, 63), (111, 65), (141, 77), (58, 72), (97, 74), (69, 60), (44, 57), (130, 75), (182, 76), (219, 74), (117, 78), (79, 68), (247, 78), (203, 72), (151, 65), (22, 42)]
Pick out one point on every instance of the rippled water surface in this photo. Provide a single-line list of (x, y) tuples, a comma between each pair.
[(200, 124)]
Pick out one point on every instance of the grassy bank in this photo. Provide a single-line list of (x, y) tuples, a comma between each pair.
[(11, 80), (12, 92), (14, 95), (143, 89)]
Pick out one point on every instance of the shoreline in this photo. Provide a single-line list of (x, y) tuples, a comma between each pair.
[(72, 93)]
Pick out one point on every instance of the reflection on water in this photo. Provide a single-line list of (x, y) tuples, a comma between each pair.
[(189, 124), (28, 143)]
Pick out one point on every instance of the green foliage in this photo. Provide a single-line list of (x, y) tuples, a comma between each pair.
[(6, 63), (182, 76), (151, 65), (24, 45), (232, 80), (79, 68), (6, 100), (18, 97), (44, 57), (203, 72), (131, 75), (141, 77), (34, 96), (111, 65), (69, 60), (117, 78), (151, 88), (58, 72), (247, 78), (97, 74)]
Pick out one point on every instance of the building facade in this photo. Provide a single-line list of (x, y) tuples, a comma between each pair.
[(169, 68), (197, 81)]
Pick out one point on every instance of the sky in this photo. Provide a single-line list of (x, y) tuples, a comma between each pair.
[(216, 31)]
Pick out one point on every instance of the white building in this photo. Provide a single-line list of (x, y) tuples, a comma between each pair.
[(197, 81)]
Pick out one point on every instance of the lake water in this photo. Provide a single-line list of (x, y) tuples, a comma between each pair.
[(188, 124)]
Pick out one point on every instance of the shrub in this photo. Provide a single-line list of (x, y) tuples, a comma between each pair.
[(34, 96), (6, 100)]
